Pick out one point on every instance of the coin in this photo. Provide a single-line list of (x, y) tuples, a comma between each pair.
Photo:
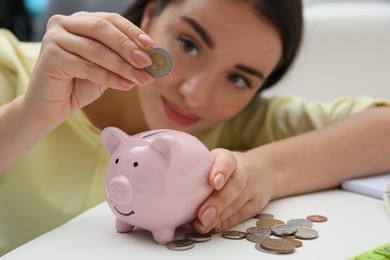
[(197, 237), (280, 246), (258, 247), (300, 222), (296, 242), (255, 238), (258, 230), (306, 233), (317, 218), (265, 222), (233, 234), (161, 62), (181, 244), (283, 229)]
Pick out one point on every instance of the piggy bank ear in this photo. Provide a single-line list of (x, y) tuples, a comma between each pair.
[(111, 137), (169, 147)]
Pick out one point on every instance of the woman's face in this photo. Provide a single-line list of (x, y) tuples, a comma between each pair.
[(222, 52)]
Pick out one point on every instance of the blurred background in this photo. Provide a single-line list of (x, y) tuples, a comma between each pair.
[(27, 18)]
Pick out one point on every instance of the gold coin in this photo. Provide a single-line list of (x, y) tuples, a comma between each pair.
[(280, 246), (161, 62), (317, 218), (296, 242), (267, 222)]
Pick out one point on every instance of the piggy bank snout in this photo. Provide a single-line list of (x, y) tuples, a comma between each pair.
[(119, 190)]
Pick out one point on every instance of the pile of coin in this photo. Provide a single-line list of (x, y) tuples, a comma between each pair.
[(189, 241), (270, 235), (275, 236)]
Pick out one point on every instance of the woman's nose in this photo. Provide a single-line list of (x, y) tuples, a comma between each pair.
[(197, 91)]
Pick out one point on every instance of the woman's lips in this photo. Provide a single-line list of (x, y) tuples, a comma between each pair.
[(178, 116)]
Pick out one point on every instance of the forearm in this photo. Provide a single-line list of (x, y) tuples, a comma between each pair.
[(19, 132), (322, 159)]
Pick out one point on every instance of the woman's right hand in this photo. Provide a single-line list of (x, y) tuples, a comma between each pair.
[(81, 56)]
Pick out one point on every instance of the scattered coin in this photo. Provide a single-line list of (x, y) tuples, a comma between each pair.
[(306, 233), (233, 234), (280, 246), (264, 215), (181, 244), (265, 222), (296, 242), (300, 222), (266, 226), (197, 237), (255, 238), (258, 230), (283, 229), (317, 218), (258, 247), (161, 62)]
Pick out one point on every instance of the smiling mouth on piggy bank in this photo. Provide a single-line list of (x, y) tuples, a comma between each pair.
[(124, 214)]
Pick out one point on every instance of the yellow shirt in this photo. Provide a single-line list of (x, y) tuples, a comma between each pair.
[(63, 175)]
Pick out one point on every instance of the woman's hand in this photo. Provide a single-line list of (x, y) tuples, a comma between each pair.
[(242, 189), (81, 56)]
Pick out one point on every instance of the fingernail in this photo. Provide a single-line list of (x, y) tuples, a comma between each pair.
[(219, 180), (208, 216), (145, 40), (141, 58)]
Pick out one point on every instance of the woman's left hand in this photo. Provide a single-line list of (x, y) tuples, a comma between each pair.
[(242, 188)]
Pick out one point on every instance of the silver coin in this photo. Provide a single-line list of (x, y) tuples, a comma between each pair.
[(283, 229), (255, 238), (258, 230), (306, 233), (197, 237), (300, 222), (181, 244), (233, 234), (161, 62)]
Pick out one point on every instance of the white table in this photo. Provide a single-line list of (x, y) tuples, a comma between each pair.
[(357, 223)]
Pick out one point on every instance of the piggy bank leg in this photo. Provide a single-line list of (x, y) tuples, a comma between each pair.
[(122, 227), (164, 235)]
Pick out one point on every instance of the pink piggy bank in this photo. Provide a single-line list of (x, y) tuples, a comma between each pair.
[(155, 180)]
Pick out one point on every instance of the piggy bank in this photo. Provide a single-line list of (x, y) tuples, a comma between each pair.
[(155, 180)]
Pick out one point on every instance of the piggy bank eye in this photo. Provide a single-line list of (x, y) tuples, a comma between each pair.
[(135, 164), (116, 161)]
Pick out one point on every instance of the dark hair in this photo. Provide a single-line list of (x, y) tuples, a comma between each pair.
[(285, 15)]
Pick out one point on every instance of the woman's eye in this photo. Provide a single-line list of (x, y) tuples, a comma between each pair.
[(240, 82), (189, 47)]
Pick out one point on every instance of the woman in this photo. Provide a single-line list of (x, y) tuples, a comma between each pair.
[(53, 162)]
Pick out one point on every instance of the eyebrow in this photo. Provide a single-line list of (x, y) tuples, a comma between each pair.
[(251, 71), (200, 30), (210, 43)]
